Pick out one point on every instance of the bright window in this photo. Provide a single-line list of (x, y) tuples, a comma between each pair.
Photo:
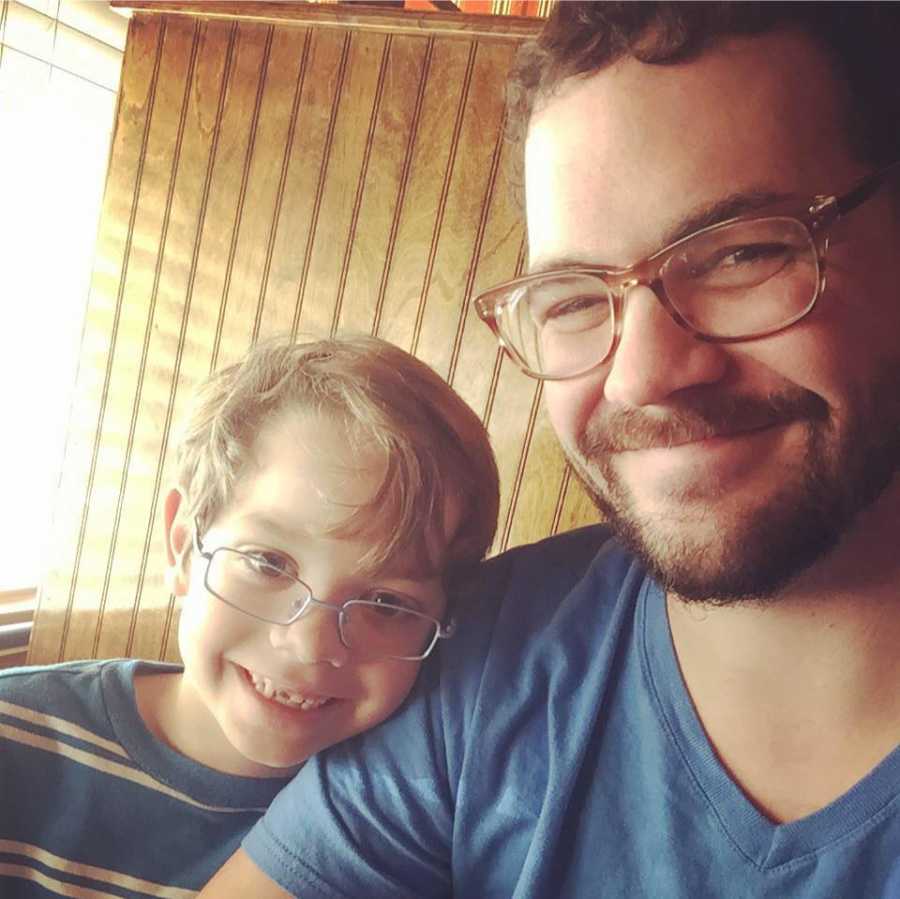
[(59, 75)]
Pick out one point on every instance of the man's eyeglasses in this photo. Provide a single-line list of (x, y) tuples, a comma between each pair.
[(376, 625), (736, 280)]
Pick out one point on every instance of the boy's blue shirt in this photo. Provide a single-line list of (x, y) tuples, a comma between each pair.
[(552, 751), (90, 800)]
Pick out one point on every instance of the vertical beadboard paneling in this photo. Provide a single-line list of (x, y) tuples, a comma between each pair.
[(125, 364), (383, 185), (326, 53), (291, 94), (72, 505), (137, 605), (443, 230), (424, 198), (306, 180), (575, 507), (222, 238), (404, 184), (350, 231), (498, 255), (352, 117), (268, 178), (471, 173), (145, 407)]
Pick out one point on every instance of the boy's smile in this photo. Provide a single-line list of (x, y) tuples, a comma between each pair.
[(258, 699)]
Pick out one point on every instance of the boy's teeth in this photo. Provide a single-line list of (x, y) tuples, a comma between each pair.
[(265, 686)]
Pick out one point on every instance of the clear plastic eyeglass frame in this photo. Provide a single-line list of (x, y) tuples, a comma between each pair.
[(816, 217)]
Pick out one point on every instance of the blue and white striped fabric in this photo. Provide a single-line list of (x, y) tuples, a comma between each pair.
[(92, 804)]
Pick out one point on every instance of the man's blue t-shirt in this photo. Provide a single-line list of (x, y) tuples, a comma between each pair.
[(553, 751)]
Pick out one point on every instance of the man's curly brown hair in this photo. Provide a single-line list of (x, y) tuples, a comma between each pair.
[(862, 40)]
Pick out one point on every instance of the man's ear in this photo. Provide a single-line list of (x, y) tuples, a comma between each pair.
[(178, 542)]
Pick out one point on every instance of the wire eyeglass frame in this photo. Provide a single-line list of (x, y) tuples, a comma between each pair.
[(442, 629)]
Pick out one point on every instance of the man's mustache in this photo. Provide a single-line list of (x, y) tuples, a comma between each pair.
[(614, 429)]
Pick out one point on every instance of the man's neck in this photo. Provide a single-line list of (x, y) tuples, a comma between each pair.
[(800, 695)]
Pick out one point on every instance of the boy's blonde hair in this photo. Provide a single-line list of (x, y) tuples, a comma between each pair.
[(437, 450)]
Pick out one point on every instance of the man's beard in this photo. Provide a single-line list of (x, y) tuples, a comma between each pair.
[(841, 473)]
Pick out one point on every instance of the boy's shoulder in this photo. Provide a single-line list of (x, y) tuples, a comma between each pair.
[(74, 692), (72, 738), (43, 684)]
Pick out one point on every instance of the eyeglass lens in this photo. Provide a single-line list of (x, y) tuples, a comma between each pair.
[(369, 627), (735, 281)]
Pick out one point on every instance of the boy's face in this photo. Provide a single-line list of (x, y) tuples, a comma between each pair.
[(256, 698)]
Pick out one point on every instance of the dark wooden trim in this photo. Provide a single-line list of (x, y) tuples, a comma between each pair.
[(342, 15)]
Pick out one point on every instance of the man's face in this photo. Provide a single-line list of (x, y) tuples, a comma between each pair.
[(806, 421)]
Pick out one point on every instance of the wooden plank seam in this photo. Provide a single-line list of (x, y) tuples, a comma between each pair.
[(120, 291), (185, 316), (404, 184), (282, 181), (561, 499), (486, 203), (523, 461), (445, 192), (501, 359), (145, 348), (320, 187), (361, 183), (242, 195)]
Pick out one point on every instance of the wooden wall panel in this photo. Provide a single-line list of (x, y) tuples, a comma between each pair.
[(303, 164), (443, 94), (471, 171), (371, 239), (344, 172), (270, 177)]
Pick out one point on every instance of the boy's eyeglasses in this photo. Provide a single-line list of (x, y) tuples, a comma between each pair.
[(373, 626), (737, 280)]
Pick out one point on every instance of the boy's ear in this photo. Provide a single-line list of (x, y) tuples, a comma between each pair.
[(178, 542)]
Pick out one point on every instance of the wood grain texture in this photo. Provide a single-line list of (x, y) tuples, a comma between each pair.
[(271, 178)]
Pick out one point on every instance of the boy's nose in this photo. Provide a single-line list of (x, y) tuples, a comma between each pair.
[(655, 357), (312, 638)]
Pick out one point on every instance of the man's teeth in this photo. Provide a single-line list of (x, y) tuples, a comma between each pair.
[(264, 686)]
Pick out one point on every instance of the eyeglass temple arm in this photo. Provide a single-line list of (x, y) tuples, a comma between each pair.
[(859, 194), (197, 544)]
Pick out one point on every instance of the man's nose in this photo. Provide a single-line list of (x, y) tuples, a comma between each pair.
[(655, 357), (314, 637)]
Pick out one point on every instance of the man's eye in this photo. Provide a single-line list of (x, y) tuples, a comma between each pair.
[(575, 305), (749, 257), (582, 311)]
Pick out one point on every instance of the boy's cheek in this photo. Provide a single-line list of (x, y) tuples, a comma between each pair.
[(206, 629), (394, 685)]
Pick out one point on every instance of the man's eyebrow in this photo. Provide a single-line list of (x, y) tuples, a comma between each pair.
[(722, 210)]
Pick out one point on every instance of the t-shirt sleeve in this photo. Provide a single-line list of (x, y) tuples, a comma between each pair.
[(364, 819)]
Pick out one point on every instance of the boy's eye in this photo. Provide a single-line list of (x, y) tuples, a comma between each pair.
[(392, 604), (270, 564)]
